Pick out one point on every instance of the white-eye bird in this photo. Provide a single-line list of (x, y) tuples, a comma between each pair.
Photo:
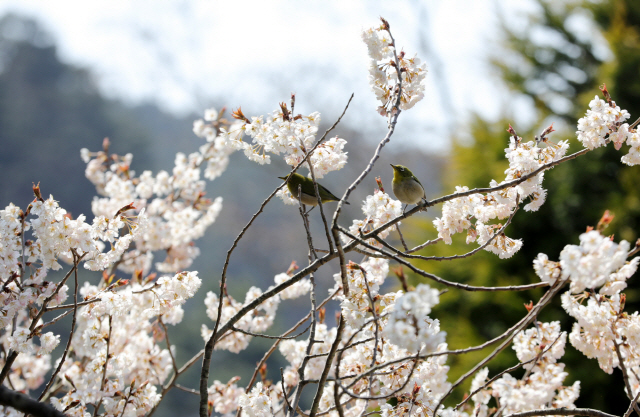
[(406, 187), (296, 181)]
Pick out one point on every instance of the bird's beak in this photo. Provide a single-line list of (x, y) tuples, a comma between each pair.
[(393, 166)]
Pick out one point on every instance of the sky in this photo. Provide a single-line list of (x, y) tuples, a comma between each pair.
[(189, 55)]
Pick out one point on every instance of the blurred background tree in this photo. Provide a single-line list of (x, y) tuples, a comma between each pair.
[(556, 62)]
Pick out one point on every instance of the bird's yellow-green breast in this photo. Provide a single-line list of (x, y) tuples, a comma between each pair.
[(406, 187)]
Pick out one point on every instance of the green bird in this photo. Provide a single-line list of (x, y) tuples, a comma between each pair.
[(406, 186), (295, 181)]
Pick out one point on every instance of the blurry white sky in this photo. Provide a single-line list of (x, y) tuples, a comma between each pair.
[(186, 55)]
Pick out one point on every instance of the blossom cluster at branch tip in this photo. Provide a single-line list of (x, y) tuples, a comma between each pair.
[(604, 123), (383, 71)]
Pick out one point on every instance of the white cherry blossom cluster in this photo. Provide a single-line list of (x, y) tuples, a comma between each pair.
[(597, 264), (259, 401), (542, 388), (378, 209), (409, 325), (258, 321), (597, 261), (473, 212), (633, 157), (427, 379), (215, 151), (296, 290), (593, 332), (282, 133), (295, 351), (543, 338), (457, 216), (224, 397), (356, 306), (32, 364), (178, 215), (115, 357), (427, 384), (120, 331), (601, 328), (57, 235), (603, 123), (601, 120), (23, 274), (383, 71)]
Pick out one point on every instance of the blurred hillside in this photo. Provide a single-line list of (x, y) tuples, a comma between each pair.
[(49, 110)]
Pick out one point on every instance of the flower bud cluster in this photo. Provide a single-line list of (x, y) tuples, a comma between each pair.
[(383, 72)]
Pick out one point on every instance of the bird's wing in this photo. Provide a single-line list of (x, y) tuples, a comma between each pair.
[(322, 187), (418, 181)]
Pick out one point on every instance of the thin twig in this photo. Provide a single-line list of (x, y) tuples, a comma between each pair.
[(437, 278), (404, 245), (623, 367), (104, 370), (80, 304), (632, 405), (311, 341), (563, 412), (425, 244), (327, 367), (45, 393), (265, 336), (166, 340)]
